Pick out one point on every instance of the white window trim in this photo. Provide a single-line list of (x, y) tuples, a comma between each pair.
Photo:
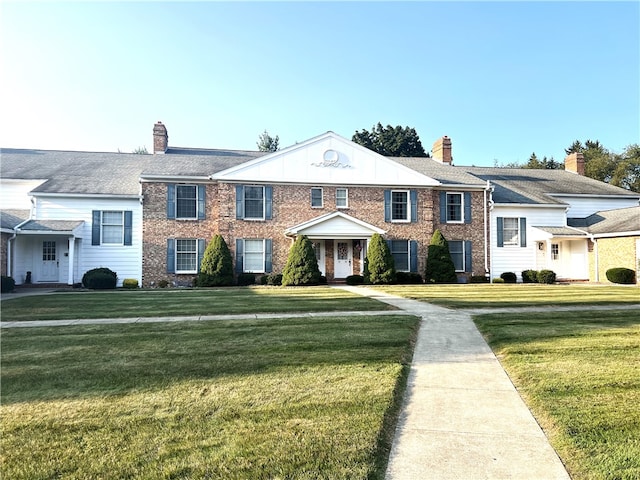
[(176, 256), (515, 243), (461, 207), (321, 197), (244, 256), (264, 206), (346, 197), (555, 255), (195, 187), (102, 225), (408, 218)]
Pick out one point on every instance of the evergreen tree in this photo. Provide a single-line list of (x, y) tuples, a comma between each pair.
[(440, 268), (380, 267), (267, 143), (216, 268), (302, 264), (391, 141)]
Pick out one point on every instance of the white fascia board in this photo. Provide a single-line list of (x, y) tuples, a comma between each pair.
[(635, 233), (175, 178), (460, 186), (531, 205), (594, 195), (86, 195)]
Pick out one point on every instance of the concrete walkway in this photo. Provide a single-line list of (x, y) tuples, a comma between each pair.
[(462, 418)]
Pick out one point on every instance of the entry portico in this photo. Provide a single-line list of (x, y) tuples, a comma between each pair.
[(339, 240)]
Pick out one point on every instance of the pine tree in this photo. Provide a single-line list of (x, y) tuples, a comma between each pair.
[(380, 267), (216, 268), (440, 268), (302, 265)]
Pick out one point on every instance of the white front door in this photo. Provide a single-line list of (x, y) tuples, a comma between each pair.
[(343, 260), (49, 268)]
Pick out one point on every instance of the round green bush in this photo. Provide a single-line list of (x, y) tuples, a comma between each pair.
[(546, 276), (621, 275), (354, 280), (498, 280), (130, 283), (529, 276), (100, 278), (274, 279), (479, 279), (509, 277), (245, 279)]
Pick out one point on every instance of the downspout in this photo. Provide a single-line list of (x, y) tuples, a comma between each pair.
[(487, 267)]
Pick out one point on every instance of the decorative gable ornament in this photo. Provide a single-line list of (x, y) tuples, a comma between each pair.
[(331, 159)]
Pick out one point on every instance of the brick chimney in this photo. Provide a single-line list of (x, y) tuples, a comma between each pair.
[(160, 138), (574, 163), (441, 151)]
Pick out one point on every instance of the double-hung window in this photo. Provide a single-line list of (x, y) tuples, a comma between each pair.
[(342, 198), (455, 207), (254, 202), (186, 255), (399, 206), (253, 255), (185, 202), (316, 197), (400, 253), (111, 227), (511, 231), (460, 251)]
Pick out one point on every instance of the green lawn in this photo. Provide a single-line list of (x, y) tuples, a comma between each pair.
[(579, 372), (287, 398), (515, 295), (183, 302)]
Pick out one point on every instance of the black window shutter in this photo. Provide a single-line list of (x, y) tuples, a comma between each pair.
[(414, 205), (202, 191), (171, 256), (171, 200), (128, 227), (201, 247), (239, 202), (239, 255), (467, 207), (387, 205), (523, 232), (268, 202), (467, 256), (95, 227), (500, 231), (268, 255), (413, 256)]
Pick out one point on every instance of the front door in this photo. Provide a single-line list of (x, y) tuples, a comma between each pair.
[(49, 271), (343, 256)]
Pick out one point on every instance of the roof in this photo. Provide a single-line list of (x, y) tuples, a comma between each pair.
[(100, 173), (610, 221), (9, 219), (50, 225), (562, 231)]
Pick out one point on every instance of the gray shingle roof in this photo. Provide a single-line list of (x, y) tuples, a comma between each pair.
[(51, 225), (9, 219), (610, 221)]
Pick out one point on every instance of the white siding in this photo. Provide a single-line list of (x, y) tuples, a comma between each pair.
[(514, 258), (126, 261), (14, 194), (582, 206)]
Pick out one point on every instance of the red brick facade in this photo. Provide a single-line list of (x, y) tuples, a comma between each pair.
[(291, 207)]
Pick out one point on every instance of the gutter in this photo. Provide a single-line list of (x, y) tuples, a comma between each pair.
[(488, 268)]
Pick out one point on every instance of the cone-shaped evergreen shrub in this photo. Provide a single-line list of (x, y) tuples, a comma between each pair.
[(216, 268), (379, 265), (302, 265), (440, 268)]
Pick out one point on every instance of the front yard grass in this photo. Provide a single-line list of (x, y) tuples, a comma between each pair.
[(516, 295), (260, 399), (183, 302), (579, 372)]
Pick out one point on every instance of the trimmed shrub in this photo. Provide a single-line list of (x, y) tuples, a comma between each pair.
[(529, 276), (163, 283), (264, 279), (509, 277), (379, 264), (546, 276), (216, 268), (408, 278), (274, 279), (323, 280), (245, 279), (621, 275), (355, 280), (479, 279), (498, 280), (100, 279), (440, 268), (130, 283), (302, 265), (8, 284)]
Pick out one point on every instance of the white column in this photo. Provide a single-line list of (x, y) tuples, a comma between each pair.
[(72, 252)]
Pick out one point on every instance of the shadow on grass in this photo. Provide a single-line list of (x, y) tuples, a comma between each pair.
[(86, 361)]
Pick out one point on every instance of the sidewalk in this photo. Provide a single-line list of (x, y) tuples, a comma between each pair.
[(462, 418)]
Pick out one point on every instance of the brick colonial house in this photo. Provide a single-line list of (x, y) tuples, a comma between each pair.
[(332, 190), (150, 216)]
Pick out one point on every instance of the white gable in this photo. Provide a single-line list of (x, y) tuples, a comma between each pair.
[(334, 225), (327, 159)]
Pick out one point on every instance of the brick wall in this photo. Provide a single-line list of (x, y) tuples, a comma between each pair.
[(613, 252), (4, 241), (292, 206)]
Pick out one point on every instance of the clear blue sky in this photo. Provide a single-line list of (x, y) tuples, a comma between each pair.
[(501, 79)]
